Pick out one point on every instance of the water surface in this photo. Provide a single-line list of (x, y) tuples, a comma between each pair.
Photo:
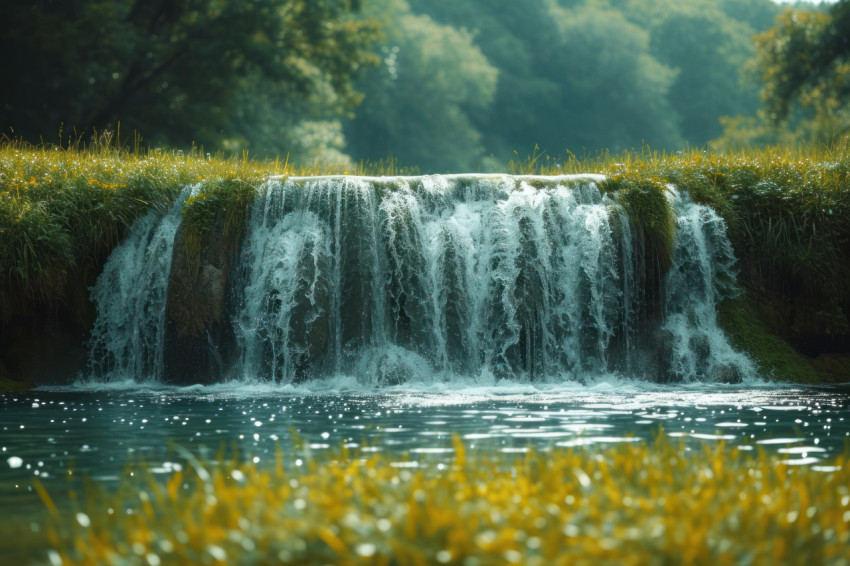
[(97, 432)]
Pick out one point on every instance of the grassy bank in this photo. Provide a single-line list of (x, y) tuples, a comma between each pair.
[(62, 210), (631, 503), (788, 216)]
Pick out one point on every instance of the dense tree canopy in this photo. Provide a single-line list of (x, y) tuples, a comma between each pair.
[(806, 58), (171, 69), (804, 66), (440, 84), (418, 103), (580, 75), (709, 50)]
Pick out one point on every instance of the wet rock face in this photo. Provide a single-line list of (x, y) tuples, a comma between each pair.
[(44, 343), (333, 273), (44, 346), (199, 338), (309, 325), (727, 373)]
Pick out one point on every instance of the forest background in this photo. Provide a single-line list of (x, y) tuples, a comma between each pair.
[(441, 85)]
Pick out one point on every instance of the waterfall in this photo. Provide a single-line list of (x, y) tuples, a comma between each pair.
[(703, 262), (127, 340), (405, 278)]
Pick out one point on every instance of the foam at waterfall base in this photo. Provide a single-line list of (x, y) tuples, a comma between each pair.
[(432, 281)]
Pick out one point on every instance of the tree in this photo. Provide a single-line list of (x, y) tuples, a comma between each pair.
[(170, 69), (418, 103), (804, 63), (614, 92), (708, 44), (806, 58), (572, 76), (757, 14)]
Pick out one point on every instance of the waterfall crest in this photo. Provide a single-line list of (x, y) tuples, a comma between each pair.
[(418, 278)]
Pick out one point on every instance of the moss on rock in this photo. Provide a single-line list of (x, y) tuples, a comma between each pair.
[(749, 328), (205, 247)]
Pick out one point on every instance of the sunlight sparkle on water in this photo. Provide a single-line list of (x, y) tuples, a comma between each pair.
[(101, 431)]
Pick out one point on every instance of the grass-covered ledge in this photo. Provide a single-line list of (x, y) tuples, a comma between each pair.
[(788, 215), (62, 210)]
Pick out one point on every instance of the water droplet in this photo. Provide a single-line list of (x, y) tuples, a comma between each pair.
[(217, 552), (83, 520), (366, 550)]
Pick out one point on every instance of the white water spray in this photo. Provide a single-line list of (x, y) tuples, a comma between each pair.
[(128, 339), (417, 278)]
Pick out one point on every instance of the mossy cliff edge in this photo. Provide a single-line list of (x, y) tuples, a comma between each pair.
[(62, 211)]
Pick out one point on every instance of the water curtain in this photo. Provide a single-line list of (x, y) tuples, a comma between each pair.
[(432, 278)]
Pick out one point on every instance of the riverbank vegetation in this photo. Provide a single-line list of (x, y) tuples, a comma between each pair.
[(629, 503), (446, 87), (788, 217), (63, 209), (788, 213)]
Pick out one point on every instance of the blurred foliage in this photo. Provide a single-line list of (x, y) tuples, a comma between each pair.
[(806, 57), (568, 77), (443, 85), (644, 502), (709, 50), (418, 104), (582, 75), (176, 71), (804, 64)]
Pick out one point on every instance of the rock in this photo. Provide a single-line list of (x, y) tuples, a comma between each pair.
[(727, 373), (43, 346), (199, 342)]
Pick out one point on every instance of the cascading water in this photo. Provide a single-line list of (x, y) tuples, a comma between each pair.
[(128, 337), (423, 278), (702, 273)]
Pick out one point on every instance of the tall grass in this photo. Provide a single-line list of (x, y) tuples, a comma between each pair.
[(631, 503), (62, 209)]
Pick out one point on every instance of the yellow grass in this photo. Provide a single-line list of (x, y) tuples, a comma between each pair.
[(636, 503)]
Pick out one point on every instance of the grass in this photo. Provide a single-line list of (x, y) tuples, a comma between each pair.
[(788, 213), (223, 202), (8, 385), (646, 204), (788, 216), (745, 324), (63, 209), (630, 503)]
